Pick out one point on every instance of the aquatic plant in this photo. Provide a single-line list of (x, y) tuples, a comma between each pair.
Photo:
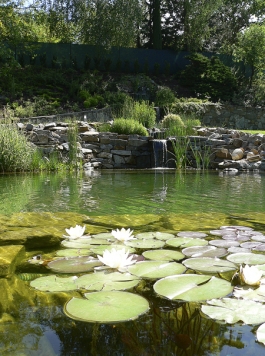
[(250, 275), (123, 234), (117, 259), (75, 232)]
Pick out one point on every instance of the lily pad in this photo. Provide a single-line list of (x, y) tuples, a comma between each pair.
[(204, 251), (73, 252), (261, 333), (247, 258), (145, 244), (192, 287), (209, 265), (155, 235), (260, 238), (257, 294), (163, 255), (74, 264), (98, 250), (250, 244), (233, 310), (52, 283), (183, 242), (104, 236), (238, 250), (194, 234), (85, 244), (156, 269), (101, 281), (106, 307), (237, 227), (224, 243), (236, 237)]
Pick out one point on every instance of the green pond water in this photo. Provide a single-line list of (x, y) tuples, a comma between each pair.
[(33, 323)]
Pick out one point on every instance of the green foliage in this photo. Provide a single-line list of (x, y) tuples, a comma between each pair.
[(165, 97), (191, 106), (144, 113), (208, 78), (128, 127), (15, 151), (172, 120), (251, 48)]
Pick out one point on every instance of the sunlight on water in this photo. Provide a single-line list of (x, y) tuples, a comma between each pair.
[(42, 206)]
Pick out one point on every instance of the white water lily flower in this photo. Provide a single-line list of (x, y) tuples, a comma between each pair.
[(123, 234), (117, 259), (75, 232), (250, 275)]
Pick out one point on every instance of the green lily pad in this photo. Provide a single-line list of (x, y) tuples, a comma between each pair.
[(145, 244), (101, 281), (192, 287), (247, 258), (233, 310), (74, 264), (52, 283), (193, 234), (98, 250), (156, 269), (204, 251), (261, 333), (183, 242), (106, 307), (257, 294), (73, 252), (104, 236), (209, 265), (155, 235), (84, 244), (163, 255)]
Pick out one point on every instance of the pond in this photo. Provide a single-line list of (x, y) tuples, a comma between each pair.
[(34, 322)]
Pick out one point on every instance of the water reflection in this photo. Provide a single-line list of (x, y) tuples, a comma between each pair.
[(133, 193)]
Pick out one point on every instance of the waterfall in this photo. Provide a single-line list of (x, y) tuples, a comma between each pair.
[(160, 153)]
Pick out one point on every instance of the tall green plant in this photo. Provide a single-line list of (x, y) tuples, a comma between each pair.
[(15, 151)]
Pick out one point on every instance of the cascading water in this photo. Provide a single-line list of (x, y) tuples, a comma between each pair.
[(160, 153)]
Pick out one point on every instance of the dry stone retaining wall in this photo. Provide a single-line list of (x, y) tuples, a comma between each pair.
[(223, 148)]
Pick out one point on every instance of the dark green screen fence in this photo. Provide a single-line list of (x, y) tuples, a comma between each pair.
[(63, 55)]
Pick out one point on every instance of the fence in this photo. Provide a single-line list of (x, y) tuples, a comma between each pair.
[(78, 56)]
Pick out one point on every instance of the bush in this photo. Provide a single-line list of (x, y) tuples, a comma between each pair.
[(128, 127), (164, 97), (172, 120), (208, 77), (144, 113), (16, 152)]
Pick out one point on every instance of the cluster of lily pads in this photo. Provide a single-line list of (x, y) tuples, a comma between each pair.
[(222, 270)]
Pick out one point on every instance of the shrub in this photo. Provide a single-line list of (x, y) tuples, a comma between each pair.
[(165, 97), (144, 113), (208, 77), (172, 120), (15, 151), (128, 127)]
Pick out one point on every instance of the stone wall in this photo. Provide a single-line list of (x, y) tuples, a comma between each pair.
[(216, 148), (234, 117)]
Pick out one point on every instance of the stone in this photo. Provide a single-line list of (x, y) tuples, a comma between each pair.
[(237, 154)]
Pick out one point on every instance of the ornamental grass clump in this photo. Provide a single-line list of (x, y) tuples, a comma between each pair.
[(15, 151), (128, 127)]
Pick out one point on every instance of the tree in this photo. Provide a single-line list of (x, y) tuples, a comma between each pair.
[(251, 49)]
